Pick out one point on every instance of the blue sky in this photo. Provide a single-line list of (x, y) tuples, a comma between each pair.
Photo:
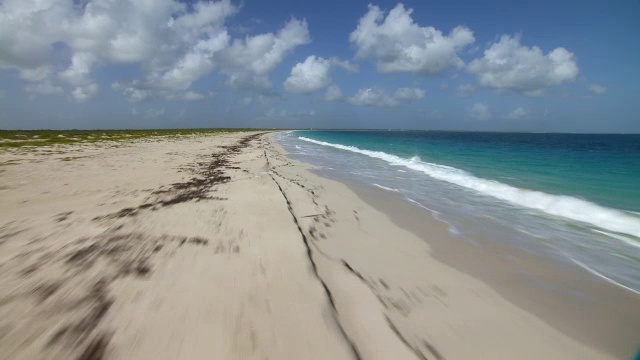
[(495, 65)]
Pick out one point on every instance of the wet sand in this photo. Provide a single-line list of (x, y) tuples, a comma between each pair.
[(565, 296), (221, 247)]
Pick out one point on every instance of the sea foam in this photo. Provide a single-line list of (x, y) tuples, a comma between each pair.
[(567, 207)]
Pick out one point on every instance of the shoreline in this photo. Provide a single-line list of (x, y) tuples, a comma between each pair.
[(223, 247), (557, 294), (399, 209), (565, 295)]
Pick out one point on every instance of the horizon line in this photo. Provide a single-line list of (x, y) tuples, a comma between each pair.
[(324, 129)]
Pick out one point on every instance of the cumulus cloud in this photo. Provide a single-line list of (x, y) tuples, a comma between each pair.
[(84, 93), (480, 111), (398, 44), (373, 97), (173, 42), (509, 66), (314, 74), (132, 91), (465, 90), (518, 113), (309, 76), (165, 37), (597, 89), (334, 93), (379, 97), (80, 69), (193, 65), (248, 62), (246, 101), (136, 95)]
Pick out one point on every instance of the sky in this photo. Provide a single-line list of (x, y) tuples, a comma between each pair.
[(547, 66)]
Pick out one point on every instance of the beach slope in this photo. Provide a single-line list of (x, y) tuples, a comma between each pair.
[(222, 247)]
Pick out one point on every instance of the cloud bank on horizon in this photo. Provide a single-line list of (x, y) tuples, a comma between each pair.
[(176, 52)]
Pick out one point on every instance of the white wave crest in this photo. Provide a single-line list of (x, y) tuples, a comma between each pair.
[(558, 205)]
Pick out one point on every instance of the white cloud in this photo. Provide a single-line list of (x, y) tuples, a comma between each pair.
[(43, 88), (480, 111), (334, 93), (193, 65), (84, 93), (465, 90), (409, 94), (80, 69), (248, 62), (246, 101), (378, 97), (172, 42), (345, 65), (309, 76), (373, 97), (132, 92), (444, 86), (518, 113), (136, 95), (158, 35), (398, 44), (509, 66), (36, 74), (315, 74), (597, 89), (192, 96)]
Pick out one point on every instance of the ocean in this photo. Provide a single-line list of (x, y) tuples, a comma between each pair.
[(574, 198)]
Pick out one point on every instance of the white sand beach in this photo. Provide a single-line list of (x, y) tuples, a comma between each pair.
[(221, 247)]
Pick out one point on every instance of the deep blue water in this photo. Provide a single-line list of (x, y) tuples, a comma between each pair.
[(574, 196)]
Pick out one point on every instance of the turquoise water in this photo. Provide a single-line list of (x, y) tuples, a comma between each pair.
[(602, 168), (573, 196)]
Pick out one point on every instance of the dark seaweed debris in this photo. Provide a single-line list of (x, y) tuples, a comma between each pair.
[(206, 175)]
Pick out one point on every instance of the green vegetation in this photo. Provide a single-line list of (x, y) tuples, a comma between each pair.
[(38, 138)]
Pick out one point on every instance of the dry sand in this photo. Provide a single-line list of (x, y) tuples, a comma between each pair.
[(220, 247)]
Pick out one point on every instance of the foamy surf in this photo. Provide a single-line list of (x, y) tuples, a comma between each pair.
[(422, 206), (624, 239), (385, 188), (452, 229), (557, 205), (603, 277)]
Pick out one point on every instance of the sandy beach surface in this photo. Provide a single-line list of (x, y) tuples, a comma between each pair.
[(221, 247)]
